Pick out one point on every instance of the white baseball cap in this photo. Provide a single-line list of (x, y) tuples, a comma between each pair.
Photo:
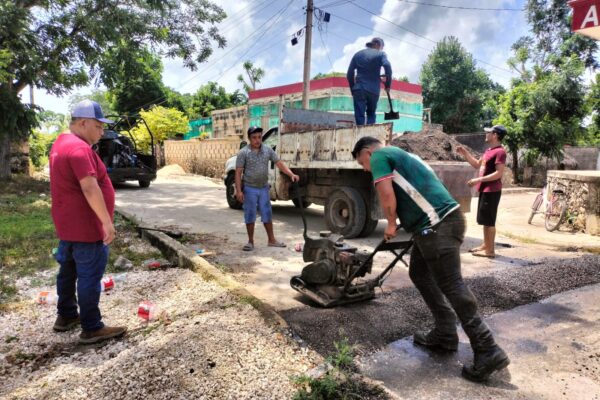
[(89, 109)]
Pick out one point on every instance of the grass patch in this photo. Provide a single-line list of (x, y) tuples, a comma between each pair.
[(26, 231), (523, 239), (339, 382)]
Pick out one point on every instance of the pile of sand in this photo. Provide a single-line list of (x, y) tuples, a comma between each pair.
[(171, 169), (431, 145)]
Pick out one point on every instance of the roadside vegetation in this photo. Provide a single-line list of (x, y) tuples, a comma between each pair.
[(340, 381), (27, 236)]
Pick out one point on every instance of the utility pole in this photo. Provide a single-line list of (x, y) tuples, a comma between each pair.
[(307, 46)]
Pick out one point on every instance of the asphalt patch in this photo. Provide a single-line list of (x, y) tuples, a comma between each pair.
[(394, 315)]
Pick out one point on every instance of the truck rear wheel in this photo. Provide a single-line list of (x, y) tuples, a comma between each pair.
[(144, 183), (230, 193), (346, 212)]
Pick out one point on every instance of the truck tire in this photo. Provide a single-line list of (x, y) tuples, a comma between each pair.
[(346, 212), (144, 183), (305, 204), (230, 193), (369, 227)]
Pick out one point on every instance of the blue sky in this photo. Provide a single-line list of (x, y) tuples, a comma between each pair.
[(261, 31)]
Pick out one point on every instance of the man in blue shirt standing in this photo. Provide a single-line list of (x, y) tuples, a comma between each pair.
[(364, 79)]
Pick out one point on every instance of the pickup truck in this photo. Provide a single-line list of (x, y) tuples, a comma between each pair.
[(317, 146)]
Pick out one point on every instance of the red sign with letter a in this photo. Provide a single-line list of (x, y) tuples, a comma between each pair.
[(586, 17)]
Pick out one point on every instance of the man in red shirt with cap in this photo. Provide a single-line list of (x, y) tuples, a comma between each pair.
[(489, 184), (83, 201)]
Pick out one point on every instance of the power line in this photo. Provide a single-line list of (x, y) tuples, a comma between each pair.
[(462, 8), (163, 99), (424, 37)]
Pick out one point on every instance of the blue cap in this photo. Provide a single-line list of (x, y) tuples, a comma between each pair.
[(89, 109)]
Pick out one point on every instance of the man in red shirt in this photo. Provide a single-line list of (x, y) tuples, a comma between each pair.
[(83, 202), (489, 184)]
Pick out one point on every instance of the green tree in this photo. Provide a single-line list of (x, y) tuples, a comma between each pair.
[(334, 74), (454, 88), (212, 97), (97, 95), (551, 41), (133, 79), (254, 74), (545, 114), (164, 123), (182, 102), (58, 45), (593, 103)]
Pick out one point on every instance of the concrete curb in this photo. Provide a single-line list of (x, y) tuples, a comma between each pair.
[(186, 258)]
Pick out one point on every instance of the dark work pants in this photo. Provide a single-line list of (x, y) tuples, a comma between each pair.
[(435, 270), (364, 102)]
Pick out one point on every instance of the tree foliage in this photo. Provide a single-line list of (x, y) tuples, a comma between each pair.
[(58, 45), (164, 123), (545, 114), (455, 89), (254, 74), (99, 96), (133, 79), (212, 97), (593, 103), (551, 42)]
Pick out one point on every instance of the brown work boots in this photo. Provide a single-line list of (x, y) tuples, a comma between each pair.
[(108, 332)]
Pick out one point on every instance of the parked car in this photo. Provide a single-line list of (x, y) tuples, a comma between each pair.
[(120, 154)]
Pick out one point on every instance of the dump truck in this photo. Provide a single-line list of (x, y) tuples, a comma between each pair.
[(317, 147)]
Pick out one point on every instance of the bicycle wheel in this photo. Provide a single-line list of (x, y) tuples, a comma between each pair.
[(555, 215), (535, 207)]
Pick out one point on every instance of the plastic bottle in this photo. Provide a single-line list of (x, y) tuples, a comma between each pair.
[(122, 277), (107, 283), (148, 311), (46, 297)]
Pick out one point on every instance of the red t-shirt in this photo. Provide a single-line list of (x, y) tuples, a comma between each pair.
[(71, 160), (489, 160)]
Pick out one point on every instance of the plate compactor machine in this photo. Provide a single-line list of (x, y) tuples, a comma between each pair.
[(336, 273)]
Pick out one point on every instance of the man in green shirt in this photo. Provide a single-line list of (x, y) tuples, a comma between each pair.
[(409, 189)]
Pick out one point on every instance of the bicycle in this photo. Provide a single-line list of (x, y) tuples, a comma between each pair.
[(555, 208)]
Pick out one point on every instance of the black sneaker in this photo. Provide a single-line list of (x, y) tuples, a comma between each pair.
[(64, 324), (485, 363), (436, 342)]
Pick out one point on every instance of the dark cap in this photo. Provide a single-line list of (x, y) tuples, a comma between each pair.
[(363, 143), (254, 129), (499, 130), (375, 40)]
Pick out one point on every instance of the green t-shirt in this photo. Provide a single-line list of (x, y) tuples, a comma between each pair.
[(422, 200)]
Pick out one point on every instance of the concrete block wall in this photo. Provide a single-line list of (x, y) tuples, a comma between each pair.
[(582, 189), (205, 157)]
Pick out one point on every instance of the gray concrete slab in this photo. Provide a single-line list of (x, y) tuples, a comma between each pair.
[(554, 347)]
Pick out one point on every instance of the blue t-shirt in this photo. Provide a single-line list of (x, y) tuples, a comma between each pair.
[(367, 63)]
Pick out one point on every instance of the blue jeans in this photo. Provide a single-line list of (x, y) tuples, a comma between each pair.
[(81, 265), (364, 102), (257, 198)]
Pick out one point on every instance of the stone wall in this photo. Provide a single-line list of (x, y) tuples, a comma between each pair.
[(582, 189), (19, 157), (205, 157)]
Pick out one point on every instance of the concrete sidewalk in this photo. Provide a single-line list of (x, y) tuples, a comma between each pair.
[(554, 347)]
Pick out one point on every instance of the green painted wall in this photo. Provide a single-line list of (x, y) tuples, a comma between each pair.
[(198, 126), (410, 118)]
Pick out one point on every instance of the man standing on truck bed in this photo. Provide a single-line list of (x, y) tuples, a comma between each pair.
[(253, 163), (409, 189), (364, 78)]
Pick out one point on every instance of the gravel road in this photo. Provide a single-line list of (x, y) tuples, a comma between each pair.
[(209, 347)]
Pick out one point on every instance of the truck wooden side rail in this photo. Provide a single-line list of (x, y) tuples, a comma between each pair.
[(317, 146)]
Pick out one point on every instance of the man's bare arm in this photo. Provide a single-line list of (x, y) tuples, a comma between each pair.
[(387, 199)]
